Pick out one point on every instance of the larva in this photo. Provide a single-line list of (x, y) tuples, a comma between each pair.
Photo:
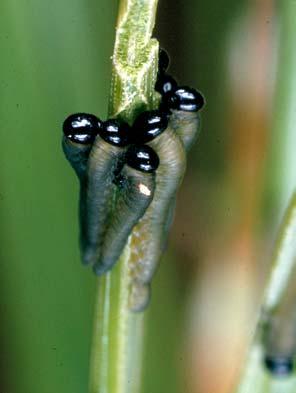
[(148, 234), (80, 131), (184, 104), (105, 160), (279, 337), (136, 184), (169, 131)]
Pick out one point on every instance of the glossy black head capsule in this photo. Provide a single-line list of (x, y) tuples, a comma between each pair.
[(148, 125), (115, 132), (279, 366), (183, 99), (81, 127), (163, 60), (165, 84), (142, 158)]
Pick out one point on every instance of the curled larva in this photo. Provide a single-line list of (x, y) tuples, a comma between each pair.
[(105, 160), (136, 185), (279, 337), (149, 234), (80, 131)]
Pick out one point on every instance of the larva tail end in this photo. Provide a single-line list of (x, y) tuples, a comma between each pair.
[(139, 297), (99, 269)]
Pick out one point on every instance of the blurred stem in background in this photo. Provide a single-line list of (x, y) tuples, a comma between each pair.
[(116, 359), (281, 162), (275, 333), (281, 184)]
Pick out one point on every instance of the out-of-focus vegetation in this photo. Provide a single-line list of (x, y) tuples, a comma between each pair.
[(55, 60)]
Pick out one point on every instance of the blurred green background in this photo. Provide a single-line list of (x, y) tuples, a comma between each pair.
[(55, 60)]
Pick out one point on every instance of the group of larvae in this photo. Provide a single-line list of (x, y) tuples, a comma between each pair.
[(129, 176)]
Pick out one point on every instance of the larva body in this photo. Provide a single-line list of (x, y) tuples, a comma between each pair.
[(186, 125), (148, 234), (184, 104), (136, 185), (103, 162), (80, 130), (78, 155), (280, 346), (170, 132), (279, 338)]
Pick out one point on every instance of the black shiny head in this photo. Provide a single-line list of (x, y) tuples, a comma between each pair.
[(165, 84), (115, 132), (148, 125), (183, 99), (82, 128), (279, 366), (142, 158), (163, 60)]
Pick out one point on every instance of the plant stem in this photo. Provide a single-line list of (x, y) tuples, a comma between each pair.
[(254, 378), (116, 352)]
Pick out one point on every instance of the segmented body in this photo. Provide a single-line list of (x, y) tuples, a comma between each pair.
[(149, 234), (135, 193), (103, 162)]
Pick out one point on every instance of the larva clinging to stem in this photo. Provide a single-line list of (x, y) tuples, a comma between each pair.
[(278, 326), (105, 160), (129, 176), (80, 131), (170, 131), (148, 235), (279, 337), (136, 185), (184, 104)]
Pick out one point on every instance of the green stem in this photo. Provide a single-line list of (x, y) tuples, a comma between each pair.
[(116, 352)]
